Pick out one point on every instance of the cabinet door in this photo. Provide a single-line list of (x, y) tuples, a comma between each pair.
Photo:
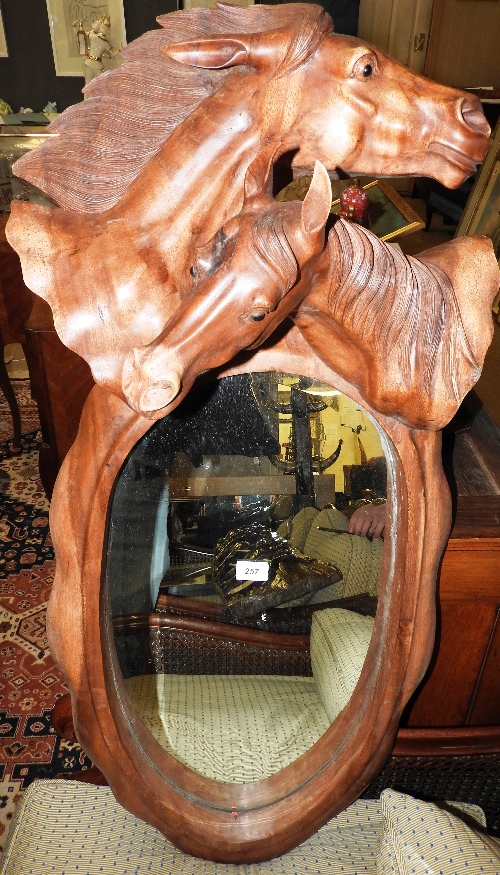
[(446, 695), (485, 710)]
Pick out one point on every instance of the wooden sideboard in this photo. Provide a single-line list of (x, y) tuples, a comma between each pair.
[(462, 685), (60, 381), (16, 303)]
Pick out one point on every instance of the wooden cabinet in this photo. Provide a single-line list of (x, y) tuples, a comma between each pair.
[(462, 684), (61, 381), (16, 302)]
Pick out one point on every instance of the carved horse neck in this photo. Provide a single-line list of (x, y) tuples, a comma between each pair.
[(190, 172), (409, 332)]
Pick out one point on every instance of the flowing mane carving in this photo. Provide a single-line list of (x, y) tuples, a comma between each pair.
[(403, 308), (104, 142)]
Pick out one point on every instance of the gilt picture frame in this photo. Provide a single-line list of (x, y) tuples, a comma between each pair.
[(3, 42), (482, 211), (63, 13)]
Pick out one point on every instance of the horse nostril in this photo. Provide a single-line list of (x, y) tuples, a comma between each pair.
[(472, 114)]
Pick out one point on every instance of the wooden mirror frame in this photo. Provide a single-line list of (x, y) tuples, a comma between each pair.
[(254, 821), (151, 322)]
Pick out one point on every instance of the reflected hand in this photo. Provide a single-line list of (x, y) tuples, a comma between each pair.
[(368, 520)]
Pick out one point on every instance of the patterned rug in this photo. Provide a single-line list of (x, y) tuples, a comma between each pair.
[(27, 409), (30, 683)]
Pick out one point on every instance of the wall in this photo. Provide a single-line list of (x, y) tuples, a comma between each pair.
[(392, 26), (28, 77), (464, 48)]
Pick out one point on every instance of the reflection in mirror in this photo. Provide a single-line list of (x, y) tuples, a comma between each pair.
[(243, 564)]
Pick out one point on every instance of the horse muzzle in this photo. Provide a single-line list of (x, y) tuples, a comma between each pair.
[(149, 383)]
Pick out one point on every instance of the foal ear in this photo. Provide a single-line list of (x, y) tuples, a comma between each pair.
[(318, 200), (213, 53)]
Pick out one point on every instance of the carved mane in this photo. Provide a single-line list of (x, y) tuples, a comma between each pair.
[(104, 142), (272, 245), (400, 306)]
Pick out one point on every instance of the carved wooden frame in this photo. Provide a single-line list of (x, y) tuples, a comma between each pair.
[(148, 332), (243, 822)]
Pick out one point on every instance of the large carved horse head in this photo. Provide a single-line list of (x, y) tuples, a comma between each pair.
[(280, 72)]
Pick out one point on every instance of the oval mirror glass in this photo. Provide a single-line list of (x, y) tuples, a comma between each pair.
[(243, 562)]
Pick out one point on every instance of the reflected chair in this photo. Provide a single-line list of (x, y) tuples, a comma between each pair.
[(245, 720)]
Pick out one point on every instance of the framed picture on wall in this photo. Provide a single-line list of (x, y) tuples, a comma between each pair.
[(3, 42), (70, 20)]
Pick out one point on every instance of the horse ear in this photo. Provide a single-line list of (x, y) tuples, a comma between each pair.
[(261, 51), (258, 175), (214, 53), (318, 200)]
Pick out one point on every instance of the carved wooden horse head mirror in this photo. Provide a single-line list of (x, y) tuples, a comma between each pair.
[(238, 656)]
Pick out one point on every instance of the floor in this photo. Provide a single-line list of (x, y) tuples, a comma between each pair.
[(15, 361)]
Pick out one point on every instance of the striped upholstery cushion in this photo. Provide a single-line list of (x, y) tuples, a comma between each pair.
[(301, 525), (65, 828), (419, 837), (359, 559), (339, 642), (232, 728)]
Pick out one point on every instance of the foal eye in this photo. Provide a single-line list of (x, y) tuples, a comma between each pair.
[(192, 270), (367, 71)]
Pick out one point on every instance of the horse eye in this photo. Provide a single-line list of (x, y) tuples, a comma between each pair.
[(365, 67), (258, 317), (192, 270)]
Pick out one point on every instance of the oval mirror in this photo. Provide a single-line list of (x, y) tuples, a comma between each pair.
[(177, 699), (232, 516)]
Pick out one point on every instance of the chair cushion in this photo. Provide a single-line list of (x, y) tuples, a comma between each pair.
[(66, 828), (231, 728), (339, 643), (419, 837)]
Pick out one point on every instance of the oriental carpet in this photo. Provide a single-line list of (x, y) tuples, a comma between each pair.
[(30, 683)]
